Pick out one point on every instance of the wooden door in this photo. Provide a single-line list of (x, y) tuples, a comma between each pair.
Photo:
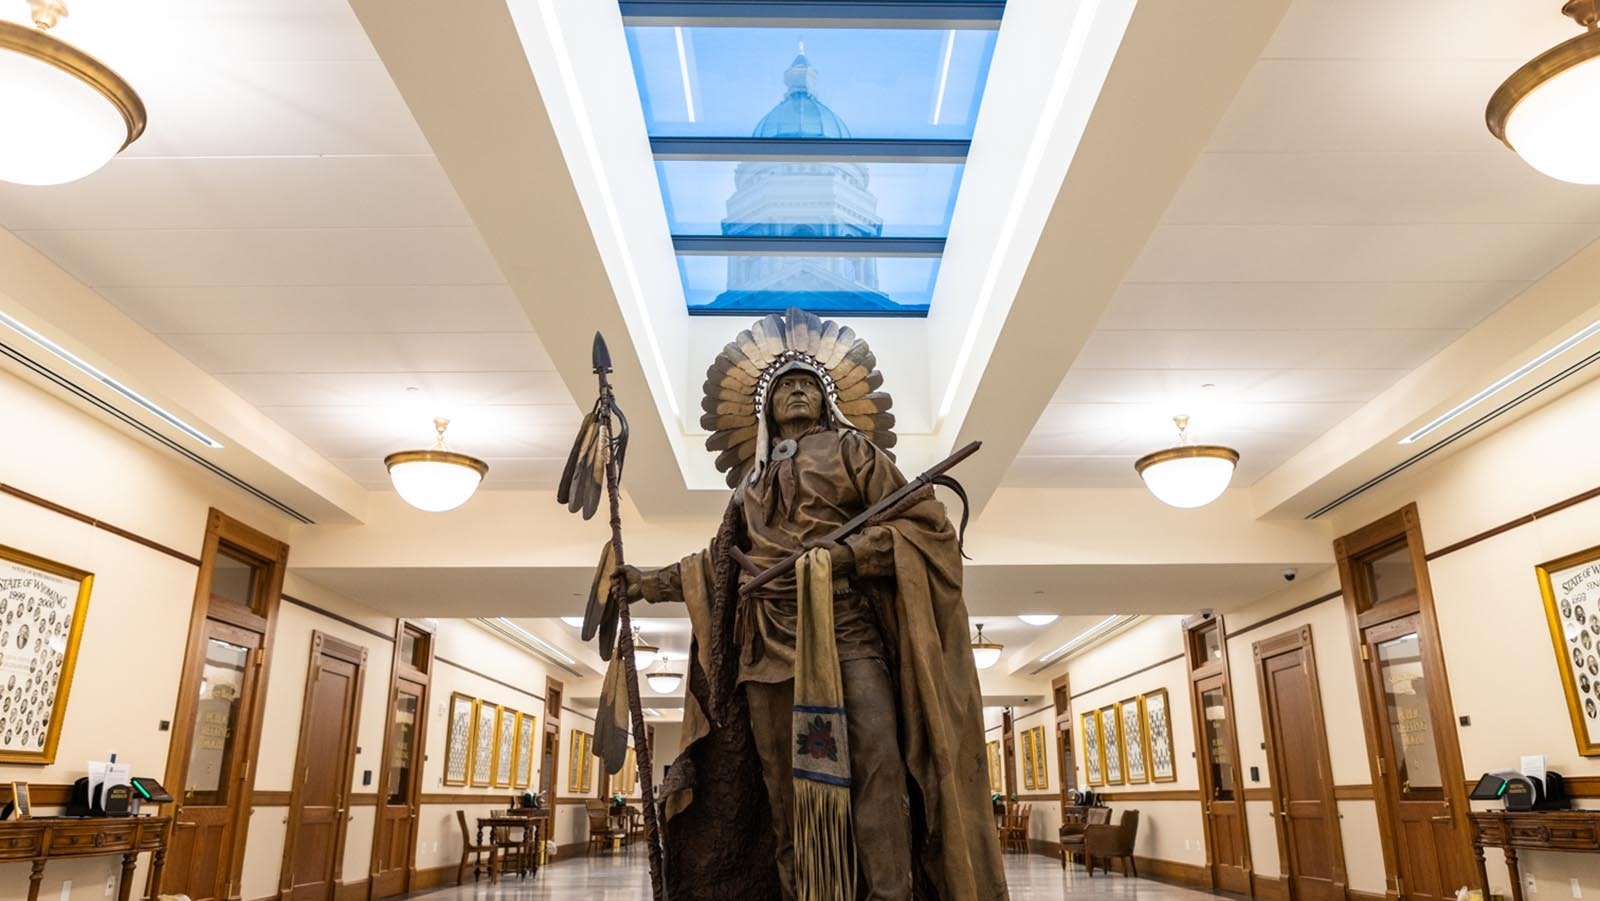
[(550, 756), (1221, 791), (1221, 800), (394, 838), (314, 840), (1310, 848), (204, 824), (1008, 750), (1410, 723), (1427, 834)]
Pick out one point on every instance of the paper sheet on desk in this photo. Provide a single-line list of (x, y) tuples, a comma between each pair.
[(1533, 767)]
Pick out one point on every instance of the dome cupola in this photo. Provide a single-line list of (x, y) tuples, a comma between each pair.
[(800, 114)]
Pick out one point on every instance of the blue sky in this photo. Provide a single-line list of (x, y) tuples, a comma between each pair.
[(884, 83)]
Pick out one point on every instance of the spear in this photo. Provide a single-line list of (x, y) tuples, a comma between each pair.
[(601, 446)]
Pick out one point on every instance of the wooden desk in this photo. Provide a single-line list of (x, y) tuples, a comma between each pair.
[(1531, 830), (531, 833), (43, 839)]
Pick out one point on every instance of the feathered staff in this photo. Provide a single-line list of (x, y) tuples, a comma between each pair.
[(598, 454)]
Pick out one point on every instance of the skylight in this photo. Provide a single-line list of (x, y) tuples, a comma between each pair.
[(809, 154)]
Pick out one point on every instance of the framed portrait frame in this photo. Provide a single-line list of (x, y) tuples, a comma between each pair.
[(1093, 761), (997, 772), (581, 766), (1041, 760), (1029, 781), (1111, 742), (1135, 749), (485, 717), (505, 746), (458, 739), (42, 607), (1570, 587), (522, 770), (1159, 759)]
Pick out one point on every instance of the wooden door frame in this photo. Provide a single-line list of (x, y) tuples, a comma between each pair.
[(273, 557), (1008, 751), (1361, 613), (323, 644), (1263, 651), (1206, 670), (554, 693), (399, 668), (1061, 699)]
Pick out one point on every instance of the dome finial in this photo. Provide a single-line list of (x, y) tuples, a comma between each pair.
[(800, 77), (802, 48)]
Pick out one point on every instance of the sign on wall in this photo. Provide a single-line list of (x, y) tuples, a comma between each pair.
[(42, 607)]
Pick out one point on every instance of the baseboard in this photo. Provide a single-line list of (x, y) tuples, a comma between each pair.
[(350, 891), (433, 877), (1269, 888)]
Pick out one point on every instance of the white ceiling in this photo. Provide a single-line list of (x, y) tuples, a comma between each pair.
[(285, 226), (1350, 217)]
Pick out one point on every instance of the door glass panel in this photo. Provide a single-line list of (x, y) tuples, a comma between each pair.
[(1207, 645), (414, 649), (1390, 574), (1216, 720), (402, 752), (215, 719), (233, 579), (1405, 694)]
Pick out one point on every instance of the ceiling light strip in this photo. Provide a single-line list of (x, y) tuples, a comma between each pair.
[(984, 14), (93, 372), (872, 150), (1056, 100), (1084, 639), (528, 641), (1466, 430), (764, 245), (944, 75), (683, 70), (1503, 382), (118, 414)]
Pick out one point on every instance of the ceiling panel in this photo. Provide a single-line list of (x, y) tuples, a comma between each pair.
[(1097, 472), (1373, 253), (369, 433), (1352, 349), (1138, 429), (1418, 29), (1188, 388), (1372, 188), (1305, 305), (334, 256), (297, 192), (404, 353), (416, 390), (291, 309), (1291, 105)]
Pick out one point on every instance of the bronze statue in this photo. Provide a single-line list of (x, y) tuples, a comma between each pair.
[(833, 738)]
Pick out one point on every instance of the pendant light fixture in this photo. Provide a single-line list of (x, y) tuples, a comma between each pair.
[(644, 653), (1038, 619), (662, 680), (63, 113), (435, 480), (1546, 110), (985, 653), (1188, 475)]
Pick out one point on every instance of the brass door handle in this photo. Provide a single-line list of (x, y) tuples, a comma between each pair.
[(1442, 819)]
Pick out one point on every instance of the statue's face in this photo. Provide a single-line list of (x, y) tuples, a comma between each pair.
[(796, 397)]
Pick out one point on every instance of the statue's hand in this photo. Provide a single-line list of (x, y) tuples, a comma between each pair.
[(632, 583), (842, 559)]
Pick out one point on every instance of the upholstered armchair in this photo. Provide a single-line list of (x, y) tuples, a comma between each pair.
[(1108, 842), (1072, 832)]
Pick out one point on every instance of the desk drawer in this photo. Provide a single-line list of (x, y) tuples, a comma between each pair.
[(1564, 833), (20, 843), (92, 838)]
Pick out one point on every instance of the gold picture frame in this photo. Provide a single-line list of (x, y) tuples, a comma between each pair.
[(527, 728), (22, 800), (484, 721), (581, 766), (1111, 744), (458, 740), (1094, 774), (1570, 587), (1135, 747), (997, 769), (54, 598), (1029, 780), (1159, 757), (1041, 760), (505, 747)]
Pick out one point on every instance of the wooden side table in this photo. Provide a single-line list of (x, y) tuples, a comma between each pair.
[(1531, 830), (43, 839)]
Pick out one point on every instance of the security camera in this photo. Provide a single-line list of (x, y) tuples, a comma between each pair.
[(1289, 573)]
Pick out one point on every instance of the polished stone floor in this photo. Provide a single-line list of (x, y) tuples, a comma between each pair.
[(626, 878)]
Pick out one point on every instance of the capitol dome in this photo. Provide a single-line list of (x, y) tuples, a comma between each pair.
[(800, 114)]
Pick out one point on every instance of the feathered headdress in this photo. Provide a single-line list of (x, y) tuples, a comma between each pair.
[(739, 379)]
